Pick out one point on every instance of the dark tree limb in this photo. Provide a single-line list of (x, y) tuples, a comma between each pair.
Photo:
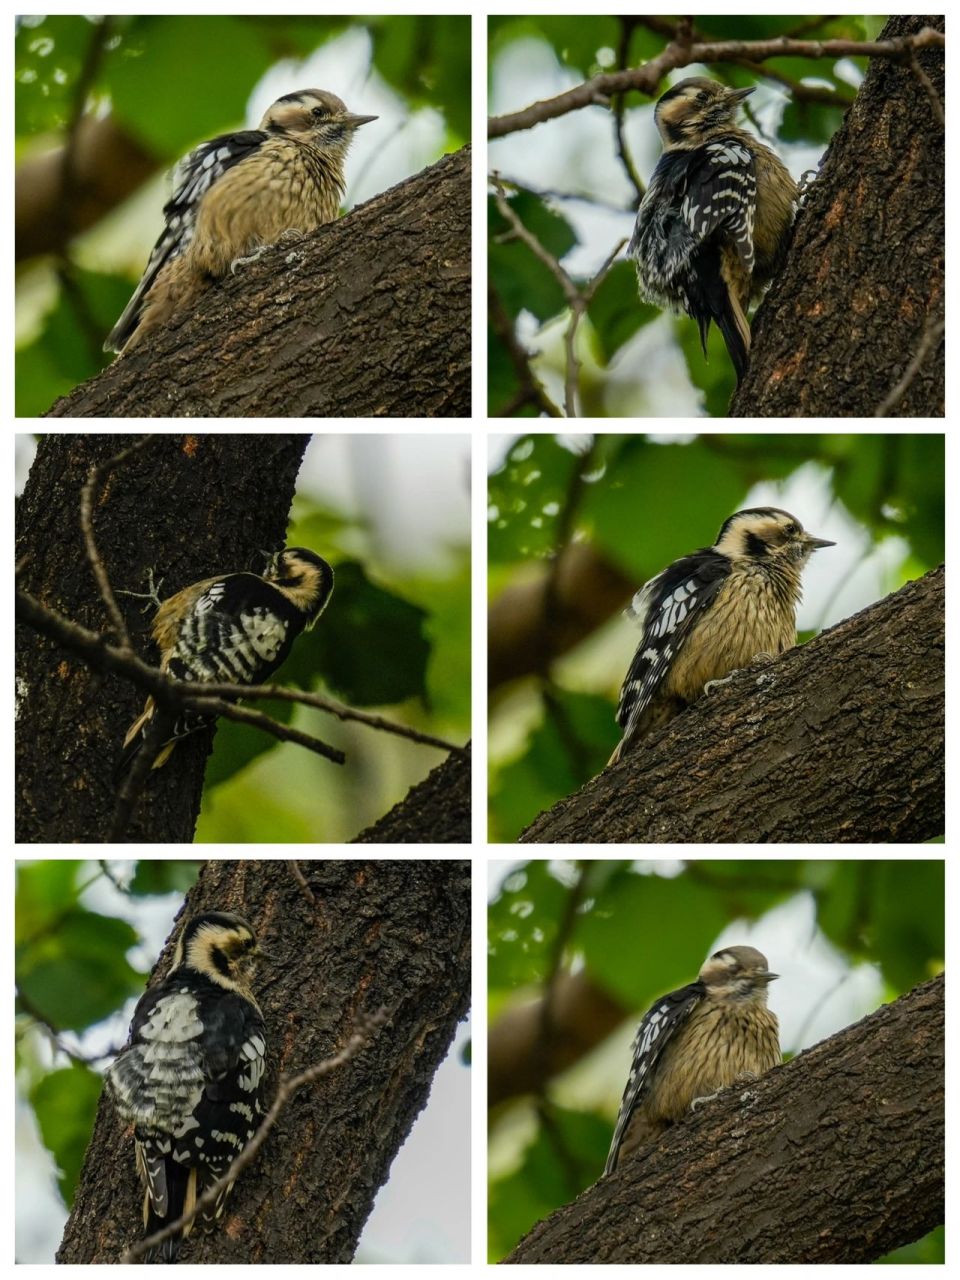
[(852, 327), (836, 1157), (840, 740), (435, 811), (384, 934), (367, 317)]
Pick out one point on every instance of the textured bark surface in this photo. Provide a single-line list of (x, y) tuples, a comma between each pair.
[(839, 740), (836, 1157), (382, 934), (864, 280), (187, 507), (435, 811), (367, 317)]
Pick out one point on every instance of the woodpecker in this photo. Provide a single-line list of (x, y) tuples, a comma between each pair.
[(714, 225), (237, 629), (694, 1042), (236, 194), (710, 613), (190, 1081)]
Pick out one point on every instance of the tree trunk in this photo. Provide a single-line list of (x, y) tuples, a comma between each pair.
[(367, 317), (861, 298), (392, 935), (839, 740), (435, 811), (187, 507), (836, 1157)]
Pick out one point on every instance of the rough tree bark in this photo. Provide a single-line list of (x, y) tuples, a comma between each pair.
[(435, 811), (836, 1157), (183, 506), (862, 294), (839, 740), (382, 934), (367, 317)]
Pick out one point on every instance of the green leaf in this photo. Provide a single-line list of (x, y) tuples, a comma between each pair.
[(522, 281), (616, 312), (77, 974), (65, 1104), (526, 496), (372, 646), (210, 94), (522, 926)]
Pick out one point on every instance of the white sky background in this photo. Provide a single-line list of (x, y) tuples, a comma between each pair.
[(421, 1215), (576, 154)]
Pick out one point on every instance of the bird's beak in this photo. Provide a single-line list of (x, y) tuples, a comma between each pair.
[(769, 977), (738, 95), (356, 121), (815, 543), (260, 954)]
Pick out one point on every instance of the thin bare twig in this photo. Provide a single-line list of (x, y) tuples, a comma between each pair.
[(578, 298), (678, 53), (294, 868), (929, 88), (531, 388), (931, 336), (288, 1086), (94, 477), (627, 25)]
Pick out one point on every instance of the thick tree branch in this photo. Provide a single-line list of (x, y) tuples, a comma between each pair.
[(836, 1157), (646, 79), (367, 317), (839, 740)]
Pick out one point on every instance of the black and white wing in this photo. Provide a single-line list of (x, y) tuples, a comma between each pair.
[(657, 1028), (667, 608)]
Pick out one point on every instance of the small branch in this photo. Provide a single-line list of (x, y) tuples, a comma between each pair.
[(531, 388), (287, 1087), (578, 298), (929, 339), (246, 715), (929, 88), (301, 880), (646, 79), (627, 25), (94, 477)]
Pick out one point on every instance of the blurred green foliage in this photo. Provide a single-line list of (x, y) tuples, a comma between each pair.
[(524, 284), (128, 64), (71, 972), (889, 914), (643, 502)]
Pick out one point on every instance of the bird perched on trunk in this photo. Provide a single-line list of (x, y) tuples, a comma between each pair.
[(711, 612), (191, 1079), (236, 194), (694, 1042), (233, 629), (713, 226)]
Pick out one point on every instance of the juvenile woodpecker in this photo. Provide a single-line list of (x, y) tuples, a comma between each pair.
[(694, 1042), (235, 629), (713, 226), (190, 1080), (711, 613), (237, 193)]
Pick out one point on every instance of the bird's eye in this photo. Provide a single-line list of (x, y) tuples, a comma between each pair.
[(792, 529), (703, 96), (318, 113)]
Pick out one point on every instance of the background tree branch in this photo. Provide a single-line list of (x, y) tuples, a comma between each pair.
[(384, 934), (852, 327), (836, 1157), (839, 740), (366, 317)]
